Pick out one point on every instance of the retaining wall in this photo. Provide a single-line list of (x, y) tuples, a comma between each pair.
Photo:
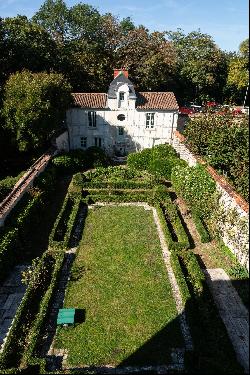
[(24, 184), (235, 225)]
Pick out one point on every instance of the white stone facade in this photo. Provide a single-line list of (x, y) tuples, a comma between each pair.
[(124, 136), (122, 120)]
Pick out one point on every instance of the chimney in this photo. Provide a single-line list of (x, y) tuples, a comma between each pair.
[(123, 71)]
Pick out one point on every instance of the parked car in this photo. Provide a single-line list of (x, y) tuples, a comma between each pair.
[(237, 112), (196, 108), (186, 111)]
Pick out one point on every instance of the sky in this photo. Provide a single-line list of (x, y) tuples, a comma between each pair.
[(226, 21)]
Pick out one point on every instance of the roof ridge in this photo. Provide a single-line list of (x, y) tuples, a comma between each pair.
[(156, 92), (95, 93)]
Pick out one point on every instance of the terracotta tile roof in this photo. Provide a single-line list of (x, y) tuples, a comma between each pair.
[(156, 100), (145, 100), (90, 100)]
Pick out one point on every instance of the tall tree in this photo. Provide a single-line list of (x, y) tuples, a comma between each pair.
[(53, 17), (28, 46), (201, 64), (34, 107), (238, 74), (149, 57)]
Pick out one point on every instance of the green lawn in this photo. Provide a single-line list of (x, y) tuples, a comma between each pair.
[(120, 279)]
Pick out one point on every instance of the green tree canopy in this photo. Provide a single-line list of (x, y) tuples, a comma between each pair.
[(34, 107), (28, 46), (53, 17), (238, 73), (200, 64)]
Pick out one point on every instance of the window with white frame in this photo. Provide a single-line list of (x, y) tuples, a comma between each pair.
[(92, 119), (83, 142), (150, 120)]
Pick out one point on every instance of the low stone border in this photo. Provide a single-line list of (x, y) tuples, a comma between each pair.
[(57, 358)]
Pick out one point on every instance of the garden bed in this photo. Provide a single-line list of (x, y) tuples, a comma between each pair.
[(120, 280)]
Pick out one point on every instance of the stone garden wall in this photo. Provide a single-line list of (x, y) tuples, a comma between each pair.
[(235, 224)]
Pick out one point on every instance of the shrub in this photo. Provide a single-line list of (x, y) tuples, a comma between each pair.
[(139, 160), (159, 160), (96, 157), (196, 186), (46, 182), (73, 161)]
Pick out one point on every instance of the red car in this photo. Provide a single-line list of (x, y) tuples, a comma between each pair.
[(186, 111), (212, 104), (237, 112)]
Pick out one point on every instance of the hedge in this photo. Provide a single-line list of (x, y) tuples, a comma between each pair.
[(181, 281), (194, 273), (118, 184), (29, 357), (10, 246), (26, 312), (72, 222), (172, 245), (14, 235), (168, 236), (119, 198), (60, 226), (171, 212), (158, 160), (204, 235), (196, 187)]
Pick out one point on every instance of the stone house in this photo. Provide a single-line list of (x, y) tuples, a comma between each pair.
[(122, 120)]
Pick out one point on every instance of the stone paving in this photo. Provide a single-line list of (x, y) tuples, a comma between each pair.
[(11, 294), (232, 311)]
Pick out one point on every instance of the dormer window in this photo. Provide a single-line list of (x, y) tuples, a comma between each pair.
[(122, 96)]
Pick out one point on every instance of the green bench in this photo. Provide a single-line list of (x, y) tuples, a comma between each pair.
[(66, 316)]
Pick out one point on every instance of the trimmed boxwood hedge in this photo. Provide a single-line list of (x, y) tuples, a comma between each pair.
[(168, 227), (118, 184), (119, 198), (40, 289), (10, 247), (29, 357), (15, 234), (175, 263), (204, 235), (171, 212), (63, 226), (195, 276)]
